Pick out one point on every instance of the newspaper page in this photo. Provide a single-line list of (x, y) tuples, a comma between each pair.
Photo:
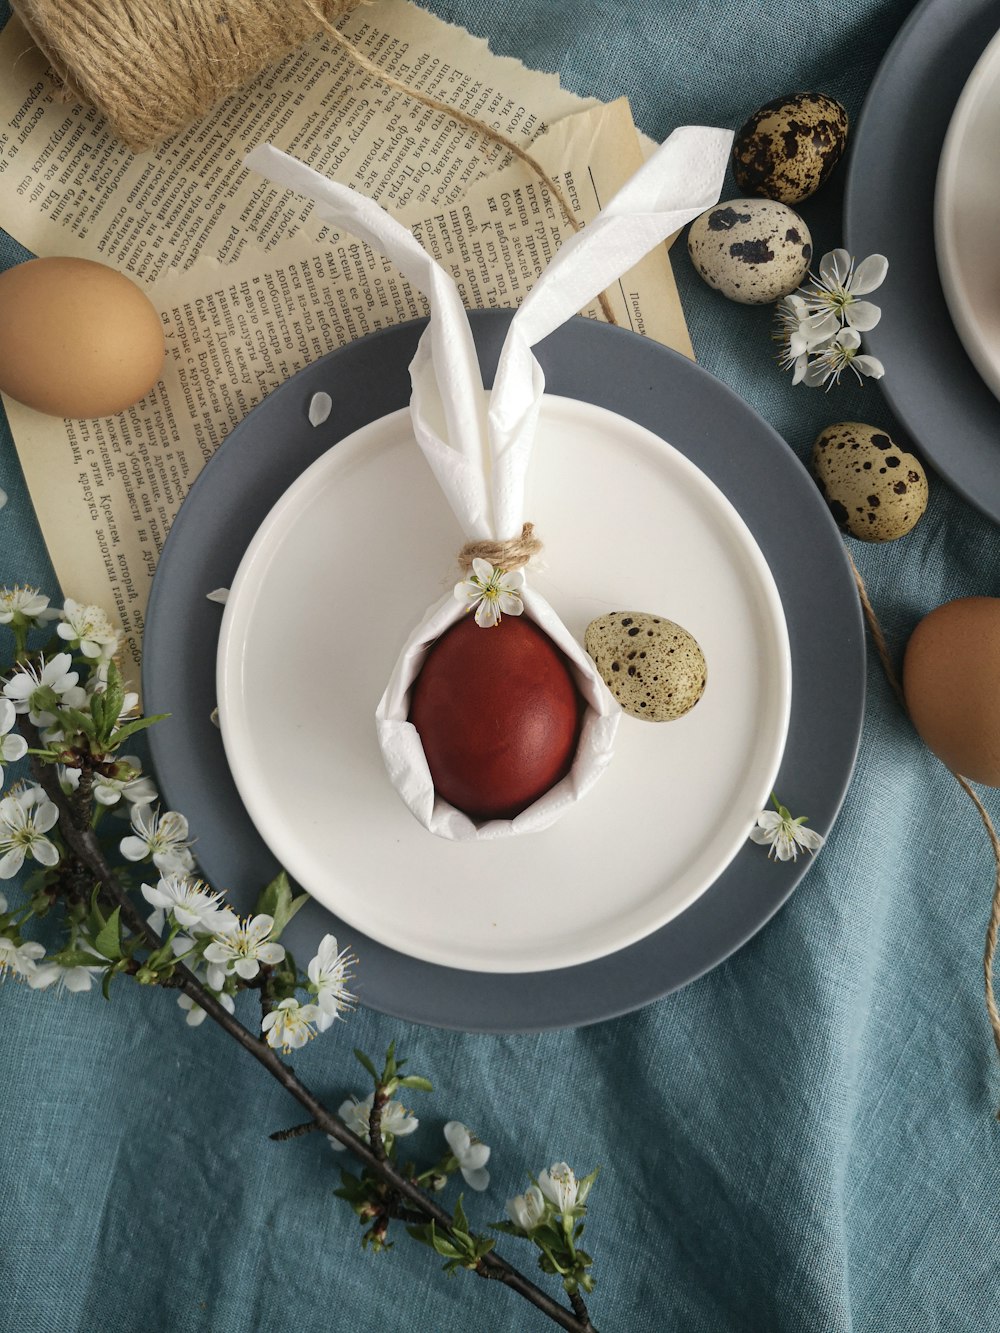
[(106, 490), (68, 187)]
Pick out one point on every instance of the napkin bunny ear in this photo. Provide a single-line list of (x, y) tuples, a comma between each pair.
[(679, 181), (448, 403)]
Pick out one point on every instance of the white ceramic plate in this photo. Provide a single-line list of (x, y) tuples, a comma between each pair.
[(967, 216), (345, 564)]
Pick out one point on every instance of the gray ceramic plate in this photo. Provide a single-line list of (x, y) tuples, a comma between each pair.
[(889, 209), (699, 416)]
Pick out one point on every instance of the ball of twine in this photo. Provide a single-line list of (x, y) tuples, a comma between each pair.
[(153, 67)]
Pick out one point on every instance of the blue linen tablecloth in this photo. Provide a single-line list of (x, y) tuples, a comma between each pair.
[(803, 1140)]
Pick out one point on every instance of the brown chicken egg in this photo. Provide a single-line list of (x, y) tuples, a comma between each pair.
[(950, 675), (77, 339), (498, 713), (789, 147)]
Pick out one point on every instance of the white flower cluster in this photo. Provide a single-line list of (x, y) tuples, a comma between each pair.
[(49, 690), (26, 816), (819, 327), (466, 1152), (557, 1194)]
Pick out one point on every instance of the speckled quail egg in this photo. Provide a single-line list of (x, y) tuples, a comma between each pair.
[(874, 489), (654, 668), (752, 250), (789, 147)]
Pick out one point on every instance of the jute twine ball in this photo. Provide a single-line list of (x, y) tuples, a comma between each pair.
[(153, 67)]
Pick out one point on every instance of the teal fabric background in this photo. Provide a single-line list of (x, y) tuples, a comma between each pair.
[(803, 1141)]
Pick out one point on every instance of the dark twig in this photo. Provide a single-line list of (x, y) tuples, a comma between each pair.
[(580, 1307), (375, 1123), (83, 844), (296, 1132)]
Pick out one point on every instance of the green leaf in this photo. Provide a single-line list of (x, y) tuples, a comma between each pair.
[(109, 938), (422, 1233), (130, 728), (106, 983), (276, 901), (444, 1246), (74, 958), (415, 1081), (98, 713), (96, 919), (114, 701), (547, 1236), (271, 895), (71, 719), (363, 1060), (390, 1063), (461, 1221)]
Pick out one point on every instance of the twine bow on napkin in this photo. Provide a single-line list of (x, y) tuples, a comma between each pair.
[(479, 447)]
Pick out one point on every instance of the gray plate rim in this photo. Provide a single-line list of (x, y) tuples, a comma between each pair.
[(930, 383), (675, 399)]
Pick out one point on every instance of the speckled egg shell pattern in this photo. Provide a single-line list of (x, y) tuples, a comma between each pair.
[(654, 668), (752, 250), (874, 489), (789, 147)]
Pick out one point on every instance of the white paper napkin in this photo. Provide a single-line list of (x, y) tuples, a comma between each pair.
[(480, 453)]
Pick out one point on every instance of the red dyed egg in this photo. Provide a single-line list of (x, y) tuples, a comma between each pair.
[(498, 713)]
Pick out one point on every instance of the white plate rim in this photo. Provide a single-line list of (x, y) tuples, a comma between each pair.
[(951, 269)]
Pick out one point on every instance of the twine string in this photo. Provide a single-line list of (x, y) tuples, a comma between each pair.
[(993, 929), (508, 555), (471, 122)]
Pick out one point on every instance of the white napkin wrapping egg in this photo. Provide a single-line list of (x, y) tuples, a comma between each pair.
[(480, 456)]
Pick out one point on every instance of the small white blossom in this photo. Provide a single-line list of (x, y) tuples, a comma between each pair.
[(329, 975), (841, 353), (243, 948), (798, 335), (196, 1015), (134, 786), (162, 837), (19, 960), (186, 900), (839, 285), (38, 690), (784, 836), (528, 1209), (31, 606), (396, 1119), (470, 1154), (13, 747), (289, 1024), (74, 979), (560, 1187), (493, 592), (88, 628), (26, 815)]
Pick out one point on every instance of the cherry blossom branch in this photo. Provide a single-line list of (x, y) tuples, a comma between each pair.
[(82, 842)]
